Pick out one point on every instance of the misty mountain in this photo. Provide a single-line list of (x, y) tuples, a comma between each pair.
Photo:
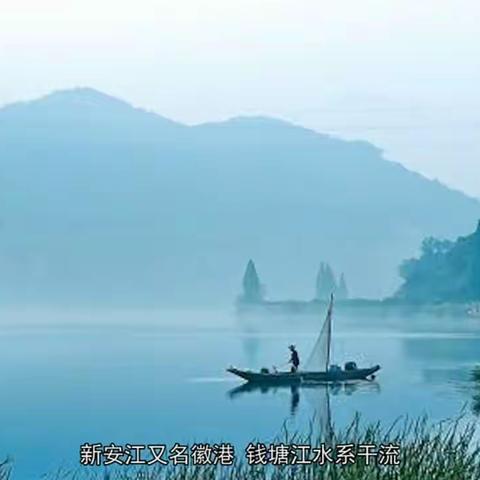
[(103, 202)]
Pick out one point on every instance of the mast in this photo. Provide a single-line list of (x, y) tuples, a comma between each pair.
[(319, 359), (329, 331)]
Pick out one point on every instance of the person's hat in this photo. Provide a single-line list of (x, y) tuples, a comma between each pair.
[(291, 347)]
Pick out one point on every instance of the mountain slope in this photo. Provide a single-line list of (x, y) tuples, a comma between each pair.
[(101, 202)]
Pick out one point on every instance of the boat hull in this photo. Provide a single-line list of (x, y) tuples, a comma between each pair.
[(289, 378)]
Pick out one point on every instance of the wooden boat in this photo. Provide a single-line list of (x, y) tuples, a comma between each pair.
[(318, 368), (287, 378)]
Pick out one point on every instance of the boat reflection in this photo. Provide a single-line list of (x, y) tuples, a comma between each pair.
[(316, 393), (346, 388)]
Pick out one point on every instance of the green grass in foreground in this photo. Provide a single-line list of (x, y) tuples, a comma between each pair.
[(445, 450)]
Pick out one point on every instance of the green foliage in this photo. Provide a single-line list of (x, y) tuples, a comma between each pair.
[(445, 271)]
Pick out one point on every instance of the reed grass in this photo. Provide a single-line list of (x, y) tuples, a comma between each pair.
[(5, 470), (447, 450)]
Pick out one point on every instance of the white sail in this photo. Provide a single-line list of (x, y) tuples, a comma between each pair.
[(319, 359)]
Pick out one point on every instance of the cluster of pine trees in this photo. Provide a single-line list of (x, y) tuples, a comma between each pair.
[(325, 285), (445, 271)]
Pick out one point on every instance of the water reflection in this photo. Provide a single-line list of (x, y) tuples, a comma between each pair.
[(448, 360), (452, 348), (295, 399), (247, 388), (345, 388), (316, 393), (251, 345), (317, 396)]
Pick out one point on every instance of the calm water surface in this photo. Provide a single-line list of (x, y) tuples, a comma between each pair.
[(70, 377)]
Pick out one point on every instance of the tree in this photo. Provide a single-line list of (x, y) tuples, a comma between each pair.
[(325, 283), (445, 271), (252, 288), (432, 247)]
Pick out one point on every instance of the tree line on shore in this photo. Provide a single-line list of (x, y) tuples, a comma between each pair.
[(325, 284), (445, 271)]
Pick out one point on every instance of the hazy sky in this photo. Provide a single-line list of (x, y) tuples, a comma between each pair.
[(402, 74)]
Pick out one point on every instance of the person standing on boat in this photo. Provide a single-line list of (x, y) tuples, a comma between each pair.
[(294, 358)]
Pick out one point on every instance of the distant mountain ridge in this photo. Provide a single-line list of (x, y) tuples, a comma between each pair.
[(103, 202)]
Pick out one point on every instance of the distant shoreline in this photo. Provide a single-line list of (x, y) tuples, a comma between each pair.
[(375, 305)]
